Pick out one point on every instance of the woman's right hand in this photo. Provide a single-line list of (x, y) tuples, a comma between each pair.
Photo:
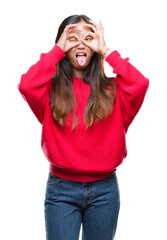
[(64, 41)]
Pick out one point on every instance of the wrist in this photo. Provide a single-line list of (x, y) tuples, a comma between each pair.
[(59, 45), (105, 52)]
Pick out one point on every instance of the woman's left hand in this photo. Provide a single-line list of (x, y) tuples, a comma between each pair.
[(95, 40)]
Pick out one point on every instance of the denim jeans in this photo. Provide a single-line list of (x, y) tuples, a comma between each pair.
[(68, 204)]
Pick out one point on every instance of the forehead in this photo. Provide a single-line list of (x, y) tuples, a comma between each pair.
[(80, 29)]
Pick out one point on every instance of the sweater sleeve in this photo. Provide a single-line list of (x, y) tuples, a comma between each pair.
[(132, 86), (33, 84)]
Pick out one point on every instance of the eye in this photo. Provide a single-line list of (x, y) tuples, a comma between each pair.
[(72, 39), (88, 38)]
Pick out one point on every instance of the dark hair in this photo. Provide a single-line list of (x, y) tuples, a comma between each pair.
[(62, 98)]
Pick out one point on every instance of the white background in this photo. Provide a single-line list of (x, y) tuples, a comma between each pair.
[(137, 29)]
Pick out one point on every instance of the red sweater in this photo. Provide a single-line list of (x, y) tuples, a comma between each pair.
[(84, 155)]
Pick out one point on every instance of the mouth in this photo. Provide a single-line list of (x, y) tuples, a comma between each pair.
[(80, 54), (81, 58)]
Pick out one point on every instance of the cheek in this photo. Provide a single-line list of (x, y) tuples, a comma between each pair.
[(70, 55), (90, 54)]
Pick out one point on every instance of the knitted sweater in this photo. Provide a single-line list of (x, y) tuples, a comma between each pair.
[(91, 154)]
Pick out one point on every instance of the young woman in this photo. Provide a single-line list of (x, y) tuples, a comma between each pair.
[(85, 116)]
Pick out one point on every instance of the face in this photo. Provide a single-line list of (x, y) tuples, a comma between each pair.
[(77, 61)]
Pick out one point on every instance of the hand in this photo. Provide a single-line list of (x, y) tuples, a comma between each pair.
[(96, 38), (64, 41)]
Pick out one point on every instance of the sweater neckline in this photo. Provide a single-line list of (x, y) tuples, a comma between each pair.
[(78, 80)]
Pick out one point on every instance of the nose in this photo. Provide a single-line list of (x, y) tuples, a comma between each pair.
[(81, 45)]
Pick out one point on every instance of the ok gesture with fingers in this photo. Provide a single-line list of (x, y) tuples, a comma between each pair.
[(64, 42), (95, 38)]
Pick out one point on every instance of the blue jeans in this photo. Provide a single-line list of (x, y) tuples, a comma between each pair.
[(69, 203)]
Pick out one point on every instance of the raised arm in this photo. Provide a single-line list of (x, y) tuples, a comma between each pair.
[(34, 83), (132, 86)]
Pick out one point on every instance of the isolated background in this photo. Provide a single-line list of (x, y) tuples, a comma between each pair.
[(137, 29)]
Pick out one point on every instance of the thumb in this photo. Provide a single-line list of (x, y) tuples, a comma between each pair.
[(85, 43), (75, 44)]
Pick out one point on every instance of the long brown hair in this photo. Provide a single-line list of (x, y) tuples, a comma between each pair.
[(62, 98)]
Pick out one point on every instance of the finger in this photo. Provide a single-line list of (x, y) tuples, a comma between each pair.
[(101, 26), (90, 26), (89, 34), (94, 24), (86, 43), (73, 35), (70, 26), (73, 25), (75, 44)]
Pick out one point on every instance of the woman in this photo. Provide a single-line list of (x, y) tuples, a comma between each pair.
[(85, 116)]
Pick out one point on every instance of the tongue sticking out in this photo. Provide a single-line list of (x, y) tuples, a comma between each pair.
[(81, 60)]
